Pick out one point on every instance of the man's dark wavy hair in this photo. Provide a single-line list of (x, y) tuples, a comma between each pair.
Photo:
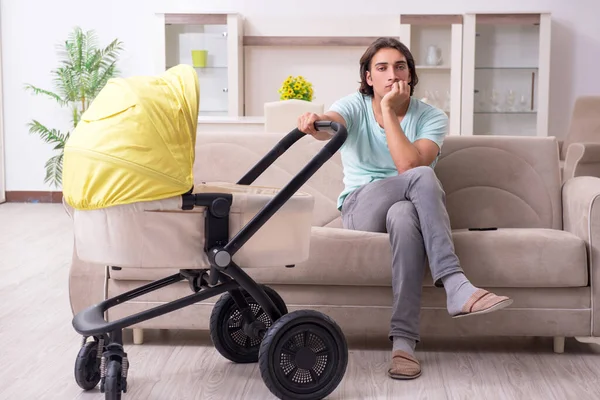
[(367, 57)]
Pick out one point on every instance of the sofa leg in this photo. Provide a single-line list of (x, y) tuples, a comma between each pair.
[(559, 344), (588, 339), (138, 336)]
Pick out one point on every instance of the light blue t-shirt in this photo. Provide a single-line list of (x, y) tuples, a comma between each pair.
[(365, 154)]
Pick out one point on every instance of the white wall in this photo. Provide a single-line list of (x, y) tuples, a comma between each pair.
[(29, 40)]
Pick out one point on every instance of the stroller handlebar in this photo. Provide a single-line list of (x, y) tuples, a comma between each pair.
[(339, 134), (333, 145), (327, 124)]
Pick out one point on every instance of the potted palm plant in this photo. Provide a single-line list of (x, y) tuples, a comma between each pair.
[(84, 70)]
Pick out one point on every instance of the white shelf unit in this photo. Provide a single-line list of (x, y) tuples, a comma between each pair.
[(221, 77), (506, 71), (326, 52), (485, 60), (439, 77)]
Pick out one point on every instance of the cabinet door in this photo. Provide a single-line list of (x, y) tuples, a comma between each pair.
[(506, 74), (210, 43)]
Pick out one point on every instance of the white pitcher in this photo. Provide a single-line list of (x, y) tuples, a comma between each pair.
[(434, 56)]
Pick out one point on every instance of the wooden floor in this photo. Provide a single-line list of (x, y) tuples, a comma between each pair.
[(38, 345)]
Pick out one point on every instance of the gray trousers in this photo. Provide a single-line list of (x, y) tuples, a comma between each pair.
[(411, 208)]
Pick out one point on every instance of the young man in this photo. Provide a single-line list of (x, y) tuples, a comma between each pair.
[(393, 143)]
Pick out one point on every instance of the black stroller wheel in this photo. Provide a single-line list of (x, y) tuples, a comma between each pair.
[(303, 356), (113, 380), (87, 366), (226, 330)]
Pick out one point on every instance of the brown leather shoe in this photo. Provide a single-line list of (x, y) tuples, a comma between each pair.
[(404, 366)]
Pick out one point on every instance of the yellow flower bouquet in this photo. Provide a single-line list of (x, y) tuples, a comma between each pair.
[(296, 88)]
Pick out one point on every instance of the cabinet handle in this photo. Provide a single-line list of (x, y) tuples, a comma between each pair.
[(225, 90)]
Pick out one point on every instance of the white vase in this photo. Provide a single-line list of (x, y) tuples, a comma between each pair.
[(434, 56)]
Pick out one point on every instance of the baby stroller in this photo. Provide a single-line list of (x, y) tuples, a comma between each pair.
[(129, 189)]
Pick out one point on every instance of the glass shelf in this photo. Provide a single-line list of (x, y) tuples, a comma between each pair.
[(214, 35), (506, 112), (433, 67), (508, 68), (199, 69)]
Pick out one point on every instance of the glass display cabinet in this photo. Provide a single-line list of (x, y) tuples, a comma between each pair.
[(212, 44), (506, 71)]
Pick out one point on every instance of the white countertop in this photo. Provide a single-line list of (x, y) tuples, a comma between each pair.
[(230, 120)]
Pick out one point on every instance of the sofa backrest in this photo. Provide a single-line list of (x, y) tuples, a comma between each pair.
[(489, 180), (501, 181), (228, 156)]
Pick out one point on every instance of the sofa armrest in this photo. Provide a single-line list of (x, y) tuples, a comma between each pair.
[(581, 216), (582, 159)]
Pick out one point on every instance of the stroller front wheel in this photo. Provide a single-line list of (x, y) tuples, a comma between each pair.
[(227, 329), (303, 356), (87, 366), (113, 381)]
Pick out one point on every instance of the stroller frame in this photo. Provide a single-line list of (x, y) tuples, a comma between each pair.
[(312, 370)]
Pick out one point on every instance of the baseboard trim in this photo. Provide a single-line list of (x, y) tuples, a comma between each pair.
[(33, 197)]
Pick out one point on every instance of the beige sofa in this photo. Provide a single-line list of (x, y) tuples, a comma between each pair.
[(545, 254)]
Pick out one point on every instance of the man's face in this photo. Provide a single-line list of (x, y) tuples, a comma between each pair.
[(387, 66)]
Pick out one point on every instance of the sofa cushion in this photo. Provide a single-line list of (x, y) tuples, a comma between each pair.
[(502, 258), (523, 257)]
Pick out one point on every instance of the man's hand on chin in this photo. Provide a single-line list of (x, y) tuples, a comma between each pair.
[(397, 97)]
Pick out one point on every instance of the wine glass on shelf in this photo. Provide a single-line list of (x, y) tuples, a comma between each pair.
[(426, 97), (510, 101), (433, 98), (447, 102), (494, 101), (523, 103)]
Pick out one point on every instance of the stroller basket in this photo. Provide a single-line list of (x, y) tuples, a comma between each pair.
[(302, 354)]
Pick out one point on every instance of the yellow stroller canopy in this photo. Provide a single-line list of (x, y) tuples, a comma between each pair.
[(136, 142)]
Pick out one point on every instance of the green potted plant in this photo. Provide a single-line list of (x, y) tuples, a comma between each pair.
[(84, 70)]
